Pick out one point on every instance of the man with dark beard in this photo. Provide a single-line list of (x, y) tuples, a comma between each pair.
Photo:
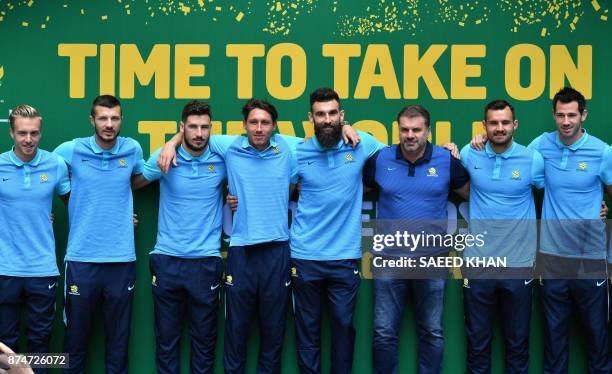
[(326, 234), (100, 258), (186, 263)]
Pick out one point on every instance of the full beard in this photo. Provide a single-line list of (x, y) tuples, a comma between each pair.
[(328, 139)]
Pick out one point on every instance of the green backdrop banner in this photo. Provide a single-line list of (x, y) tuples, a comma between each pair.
[(155, 55)]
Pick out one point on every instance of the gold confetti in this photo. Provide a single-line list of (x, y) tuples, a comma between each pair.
[(543, 33), (218, 8), (1, 72), (572, 26), (128, 12), (82, 11), (239, 16), (43, 26), (478, 21), (104, 18), (461, 24), (595, 5), (30, 3), (24, 24), (604, 18), (47, 19), (575, 20), (279, 6), (184, 8)]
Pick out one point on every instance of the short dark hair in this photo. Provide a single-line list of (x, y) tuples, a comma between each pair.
[(195, 108), (107, 101), (567, 95), (499, 104), (259, 104), (323, 94), (413, 111)]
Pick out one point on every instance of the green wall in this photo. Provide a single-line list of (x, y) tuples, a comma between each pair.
[(569, 37)]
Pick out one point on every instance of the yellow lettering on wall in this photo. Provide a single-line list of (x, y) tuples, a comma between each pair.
[(537, 72), (394, 133), (245, 54), (461, 71), (443, 132), (579, 75), (377, 129), (285, 128), (76, 54), (341, 53), (107, 69), (132, 65), (216, 128), (416, 68), (308, 129), (478, 129), (234, 128), (157, 131), (183, 70), (377, 55), (297, 84)]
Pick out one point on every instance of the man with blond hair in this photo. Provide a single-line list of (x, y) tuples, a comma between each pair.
[(29, 177)]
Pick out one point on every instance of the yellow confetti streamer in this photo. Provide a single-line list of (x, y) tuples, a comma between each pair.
[(239, 16), (104, 18), (184, 8), (30, 3), (43, 26), (543, 33), (1, 72), (24, 24), (604, 18), (595, 5)]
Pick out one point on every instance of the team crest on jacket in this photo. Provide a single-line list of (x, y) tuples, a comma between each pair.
[(349, 157), (74, 290), (432, 172), (211, 168), (516, 174), (275, 150), (44, 178), (229, 280), (582, 166), (122, 163)]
